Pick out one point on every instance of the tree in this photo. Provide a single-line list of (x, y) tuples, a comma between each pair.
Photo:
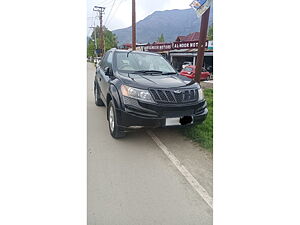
[(210, 35), (91, 48), (110, 41), (161, 38)]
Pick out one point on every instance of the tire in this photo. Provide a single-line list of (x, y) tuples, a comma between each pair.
[(114, 129), (98, 100)]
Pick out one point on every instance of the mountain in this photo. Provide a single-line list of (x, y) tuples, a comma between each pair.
[(171, 23)]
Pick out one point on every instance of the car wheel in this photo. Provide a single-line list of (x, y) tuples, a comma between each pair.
[(114, 129), (98, 100)]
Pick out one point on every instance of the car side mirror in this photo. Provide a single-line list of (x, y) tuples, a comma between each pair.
[(108, 71)]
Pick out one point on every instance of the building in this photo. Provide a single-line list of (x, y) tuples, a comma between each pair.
[(139, 46), (185, 49), (126, 46)]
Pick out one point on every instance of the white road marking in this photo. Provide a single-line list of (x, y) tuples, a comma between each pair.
[(188, 176)]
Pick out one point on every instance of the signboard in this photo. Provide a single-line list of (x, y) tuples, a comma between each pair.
[(98, 51), (158, 47), (176, 45), (200, 6), (187, 44)]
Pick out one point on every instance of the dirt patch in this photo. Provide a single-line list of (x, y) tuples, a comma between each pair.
[(206, 85)]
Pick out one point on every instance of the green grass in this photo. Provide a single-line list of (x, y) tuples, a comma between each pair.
[(203, 133)]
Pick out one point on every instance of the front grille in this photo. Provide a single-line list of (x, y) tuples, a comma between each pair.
[(174, 96)]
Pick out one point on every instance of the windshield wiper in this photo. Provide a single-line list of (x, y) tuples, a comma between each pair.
[(169, 73), (147, 71), (129, 52)]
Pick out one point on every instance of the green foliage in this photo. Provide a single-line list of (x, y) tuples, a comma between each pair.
[(161, 38), (210, 35), (91, 48), (203, 133), (110, 41)]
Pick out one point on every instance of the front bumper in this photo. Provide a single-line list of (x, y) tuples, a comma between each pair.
[(140, 114)]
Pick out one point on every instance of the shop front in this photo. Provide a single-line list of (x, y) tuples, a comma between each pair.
[(180, 52), (178, 57)]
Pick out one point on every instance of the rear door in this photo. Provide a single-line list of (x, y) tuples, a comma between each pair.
[(104, 79), (100, 76)]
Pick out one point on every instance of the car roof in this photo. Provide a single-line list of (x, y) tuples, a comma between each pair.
[(139, 52)]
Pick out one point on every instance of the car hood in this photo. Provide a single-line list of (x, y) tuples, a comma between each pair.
[(156, 80)]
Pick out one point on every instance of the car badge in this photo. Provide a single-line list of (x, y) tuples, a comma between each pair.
[(177, 91)]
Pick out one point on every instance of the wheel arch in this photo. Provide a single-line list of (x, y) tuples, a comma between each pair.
[(113, 95)]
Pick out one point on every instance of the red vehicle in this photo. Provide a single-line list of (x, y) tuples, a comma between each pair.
[(189, 72)]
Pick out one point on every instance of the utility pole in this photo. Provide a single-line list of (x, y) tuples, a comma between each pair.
[(133, 26), (201, 44), (95, 37), (100, 11)]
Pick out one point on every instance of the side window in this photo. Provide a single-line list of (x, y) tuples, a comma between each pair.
[(109, 59), (103, 61)]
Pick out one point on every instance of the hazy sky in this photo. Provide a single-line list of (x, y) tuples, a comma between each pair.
[(118, 12)]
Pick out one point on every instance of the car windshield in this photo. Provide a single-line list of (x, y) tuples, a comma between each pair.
[(189, 69), (137, 62)]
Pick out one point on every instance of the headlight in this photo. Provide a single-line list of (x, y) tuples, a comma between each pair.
[(136, 93), (200, 94)]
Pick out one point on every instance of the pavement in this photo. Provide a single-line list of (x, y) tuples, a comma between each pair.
[(207, 84), (132, 181)]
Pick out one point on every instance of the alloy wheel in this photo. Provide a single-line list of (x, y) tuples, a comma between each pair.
[(96, 93), (111, 119)]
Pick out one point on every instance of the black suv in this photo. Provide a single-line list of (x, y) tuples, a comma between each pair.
[(141, 89)]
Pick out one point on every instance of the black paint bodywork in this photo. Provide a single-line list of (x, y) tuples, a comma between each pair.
[(132, 112)]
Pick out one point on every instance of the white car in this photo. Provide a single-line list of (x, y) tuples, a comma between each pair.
[(97, 60)]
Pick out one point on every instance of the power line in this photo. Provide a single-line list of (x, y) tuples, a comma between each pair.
[(115, 12), (110, 11), (100, 10), (105, 2), (95, 37), (91, 19), (89, 33)]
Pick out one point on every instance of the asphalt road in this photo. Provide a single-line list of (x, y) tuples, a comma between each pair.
[(132, 182)]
